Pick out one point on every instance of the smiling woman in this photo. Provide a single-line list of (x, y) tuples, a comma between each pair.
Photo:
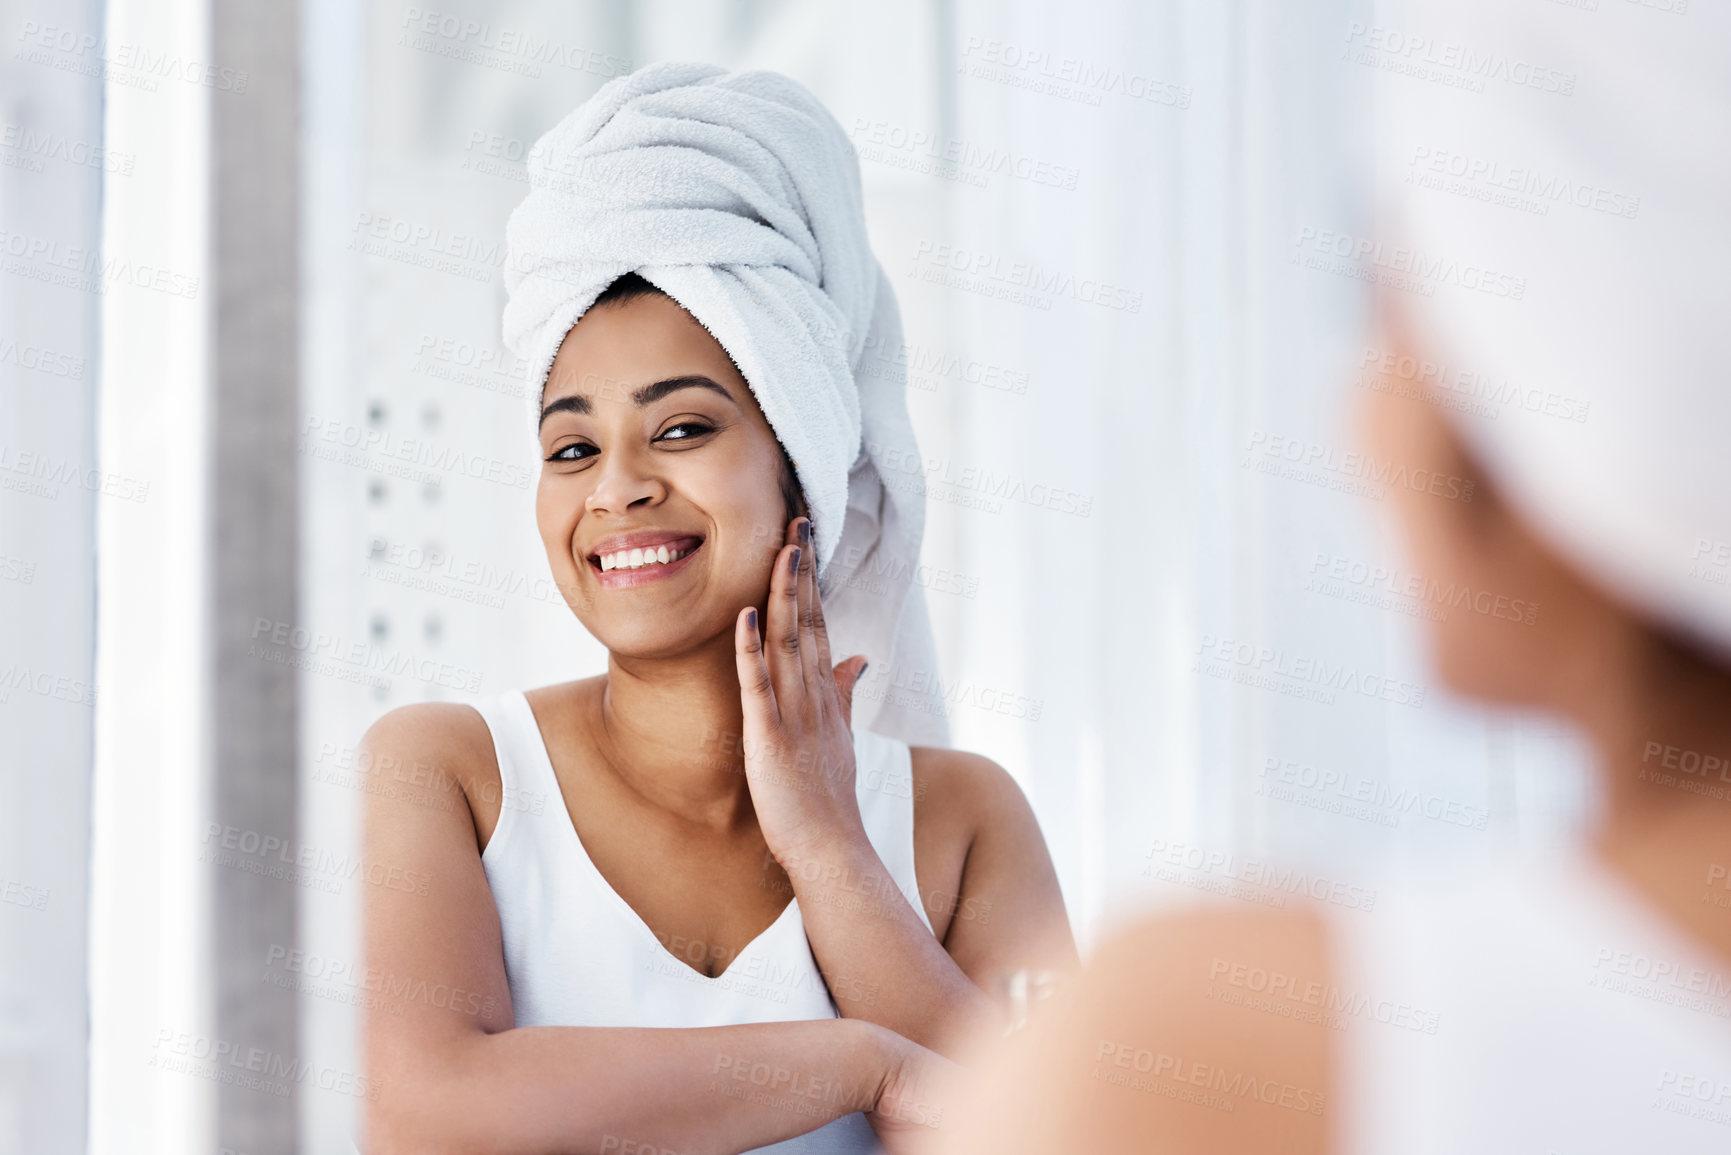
[(704, 907)]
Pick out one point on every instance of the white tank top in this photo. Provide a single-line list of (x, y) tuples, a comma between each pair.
[(577, 955), (1542, 1008)]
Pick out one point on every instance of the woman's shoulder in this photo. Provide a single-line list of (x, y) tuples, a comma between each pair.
[(449, 731), (961, 791), (439, 731), (426, 759)]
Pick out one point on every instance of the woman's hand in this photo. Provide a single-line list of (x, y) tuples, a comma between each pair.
[(798, 739)]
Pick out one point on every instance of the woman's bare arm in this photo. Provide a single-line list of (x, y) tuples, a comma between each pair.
[(449, 1071)]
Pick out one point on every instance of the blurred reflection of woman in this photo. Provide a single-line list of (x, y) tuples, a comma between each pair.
[(684, 905), (1567, 1002)]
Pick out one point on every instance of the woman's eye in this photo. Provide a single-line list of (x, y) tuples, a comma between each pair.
[(691, 428), (573, 452)]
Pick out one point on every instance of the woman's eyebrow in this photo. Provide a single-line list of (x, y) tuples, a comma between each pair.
[(652, 393), (647, 395)]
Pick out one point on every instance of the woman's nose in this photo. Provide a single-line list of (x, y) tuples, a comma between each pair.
[(624, 480)]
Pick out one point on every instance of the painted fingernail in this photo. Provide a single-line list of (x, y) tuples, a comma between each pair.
[(751, 618), (793, 561), (804, 530)]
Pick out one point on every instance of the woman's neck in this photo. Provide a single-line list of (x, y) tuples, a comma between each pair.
[(671, 730), (1665, 762)]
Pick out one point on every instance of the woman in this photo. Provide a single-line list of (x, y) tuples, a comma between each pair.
[(1568, 1002), (693, 904)]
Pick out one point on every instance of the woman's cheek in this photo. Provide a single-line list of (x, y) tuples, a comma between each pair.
[(558, 507)]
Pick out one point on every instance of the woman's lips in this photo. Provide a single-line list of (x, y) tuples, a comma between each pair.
[(623, 578)]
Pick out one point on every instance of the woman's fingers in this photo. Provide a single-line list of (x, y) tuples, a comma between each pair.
[(813, 657), (819, 631), (781, 637), (756, 690)]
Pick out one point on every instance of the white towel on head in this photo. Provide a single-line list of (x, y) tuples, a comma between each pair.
[(1590, 171), (738, 195)]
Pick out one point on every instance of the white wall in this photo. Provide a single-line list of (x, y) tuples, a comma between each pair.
[(52, 170)]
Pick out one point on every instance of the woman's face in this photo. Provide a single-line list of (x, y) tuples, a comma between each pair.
[(651, 440)]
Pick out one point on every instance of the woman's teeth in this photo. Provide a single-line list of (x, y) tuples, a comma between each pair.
[(636, 558)]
